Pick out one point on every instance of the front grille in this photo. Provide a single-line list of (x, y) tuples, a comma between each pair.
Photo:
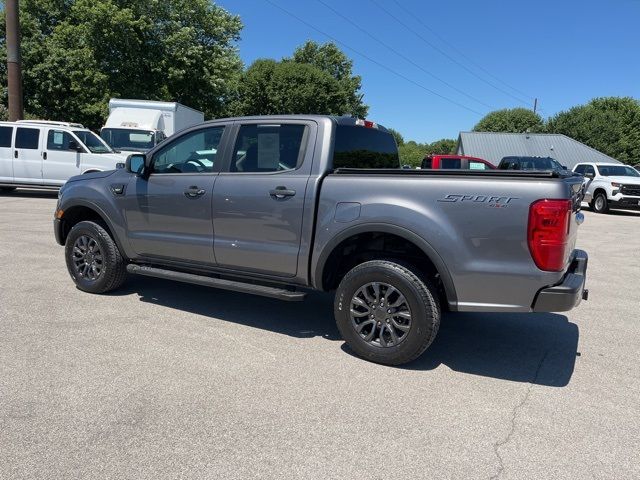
[(630, 190)]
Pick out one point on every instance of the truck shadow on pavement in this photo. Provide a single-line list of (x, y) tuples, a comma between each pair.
[(19, 193), (538, 348)]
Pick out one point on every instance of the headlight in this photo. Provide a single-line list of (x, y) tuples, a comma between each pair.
[(616, 184)]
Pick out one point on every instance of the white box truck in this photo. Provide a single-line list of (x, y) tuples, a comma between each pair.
[(138, 125)]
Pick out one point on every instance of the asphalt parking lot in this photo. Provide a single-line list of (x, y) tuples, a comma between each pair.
[(168, 380)]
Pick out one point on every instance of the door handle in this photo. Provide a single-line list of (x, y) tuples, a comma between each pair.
[(44, 155), (194, 192), (282, 192), (15, 154)]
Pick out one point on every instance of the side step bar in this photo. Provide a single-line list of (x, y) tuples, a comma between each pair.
[(262, 290)]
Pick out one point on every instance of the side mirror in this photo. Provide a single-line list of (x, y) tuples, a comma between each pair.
[(564, 167), (135, 163), (73, 145), (589, 175)]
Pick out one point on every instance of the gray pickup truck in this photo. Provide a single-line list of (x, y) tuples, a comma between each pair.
[(280, 205)]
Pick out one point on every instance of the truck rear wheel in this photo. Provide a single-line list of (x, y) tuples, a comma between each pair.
[(386, 313), (93, 259)]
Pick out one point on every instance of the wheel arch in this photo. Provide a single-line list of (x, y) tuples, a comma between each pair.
[(85, 211), (342, 238)]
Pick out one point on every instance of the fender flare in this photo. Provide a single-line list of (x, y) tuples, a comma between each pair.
[(101, 214), (427, 249)]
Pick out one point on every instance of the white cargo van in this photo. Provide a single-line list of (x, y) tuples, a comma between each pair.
[(38, 153), (139, 125)]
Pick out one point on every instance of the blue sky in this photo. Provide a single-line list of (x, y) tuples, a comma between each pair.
[(563, 52)]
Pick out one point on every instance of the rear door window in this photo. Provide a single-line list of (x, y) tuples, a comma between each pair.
[(454, 163), (268, 148), (5, 136), (27, 138), (361, 147)]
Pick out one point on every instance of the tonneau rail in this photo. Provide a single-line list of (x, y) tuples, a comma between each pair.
[(454, 172)]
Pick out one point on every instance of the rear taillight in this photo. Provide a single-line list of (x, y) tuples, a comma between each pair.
[(548, 233)]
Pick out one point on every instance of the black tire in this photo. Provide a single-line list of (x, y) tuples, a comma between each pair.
[(112, 267), (600, 204), (7, 189), (421, 303)]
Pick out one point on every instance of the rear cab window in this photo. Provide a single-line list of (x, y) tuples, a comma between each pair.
[(361, 147), (28, 138)]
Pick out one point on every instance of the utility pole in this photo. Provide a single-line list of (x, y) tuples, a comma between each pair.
[(14, 72), (535, 105)]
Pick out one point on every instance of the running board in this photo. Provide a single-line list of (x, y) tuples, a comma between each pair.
[(262, 290)]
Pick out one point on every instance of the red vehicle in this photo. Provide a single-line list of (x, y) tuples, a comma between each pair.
[(458, 162)]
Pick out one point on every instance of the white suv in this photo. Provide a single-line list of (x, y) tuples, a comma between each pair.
[(40, 154), (610, 185)]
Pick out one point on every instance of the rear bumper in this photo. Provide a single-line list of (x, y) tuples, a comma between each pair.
[(569, 292)]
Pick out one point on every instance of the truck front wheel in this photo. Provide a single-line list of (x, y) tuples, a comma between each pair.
[(93, 259), (386, 313), (600, 204)]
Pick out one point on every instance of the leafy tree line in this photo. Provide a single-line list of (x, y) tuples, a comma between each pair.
[(412, 153), (609, 124), (76, 54), (79, 53)]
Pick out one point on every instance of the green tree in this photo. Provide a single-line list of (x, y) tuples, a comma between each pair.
[(514, 120), (269, 87), (330, 59), (610, 125), (397, 135), (412, 153), (444, 146), (79, 53)]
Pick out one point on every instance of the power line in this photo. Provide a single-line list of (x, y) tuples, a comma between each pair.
[(445, 54), (381, 65), (466, 57), (401, 55)]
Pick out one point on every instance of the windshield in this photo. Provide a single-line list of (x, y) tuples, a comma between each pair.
[(617, 171), (93, 142), (125, 139)]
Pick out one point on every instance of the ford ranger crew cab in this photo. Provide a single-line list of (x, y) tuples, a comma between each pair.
[(281, 205)]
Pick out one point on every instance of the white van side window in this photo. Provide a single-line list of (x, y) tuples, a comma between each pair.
[(58, 140), (27, 138)]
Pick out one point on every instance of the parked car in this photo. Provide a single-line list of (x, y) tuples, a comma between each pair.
[(610, 185), (138, 125), (531, 163), (38, 153), (291, 203), (458, 162)]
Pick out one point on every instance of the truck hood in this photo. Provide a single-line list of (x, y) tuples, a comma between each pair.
[(625, 180), (90, 176)]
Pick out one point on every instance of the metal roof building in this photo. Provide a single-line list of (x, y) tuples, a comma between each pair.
[(493, 146)]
